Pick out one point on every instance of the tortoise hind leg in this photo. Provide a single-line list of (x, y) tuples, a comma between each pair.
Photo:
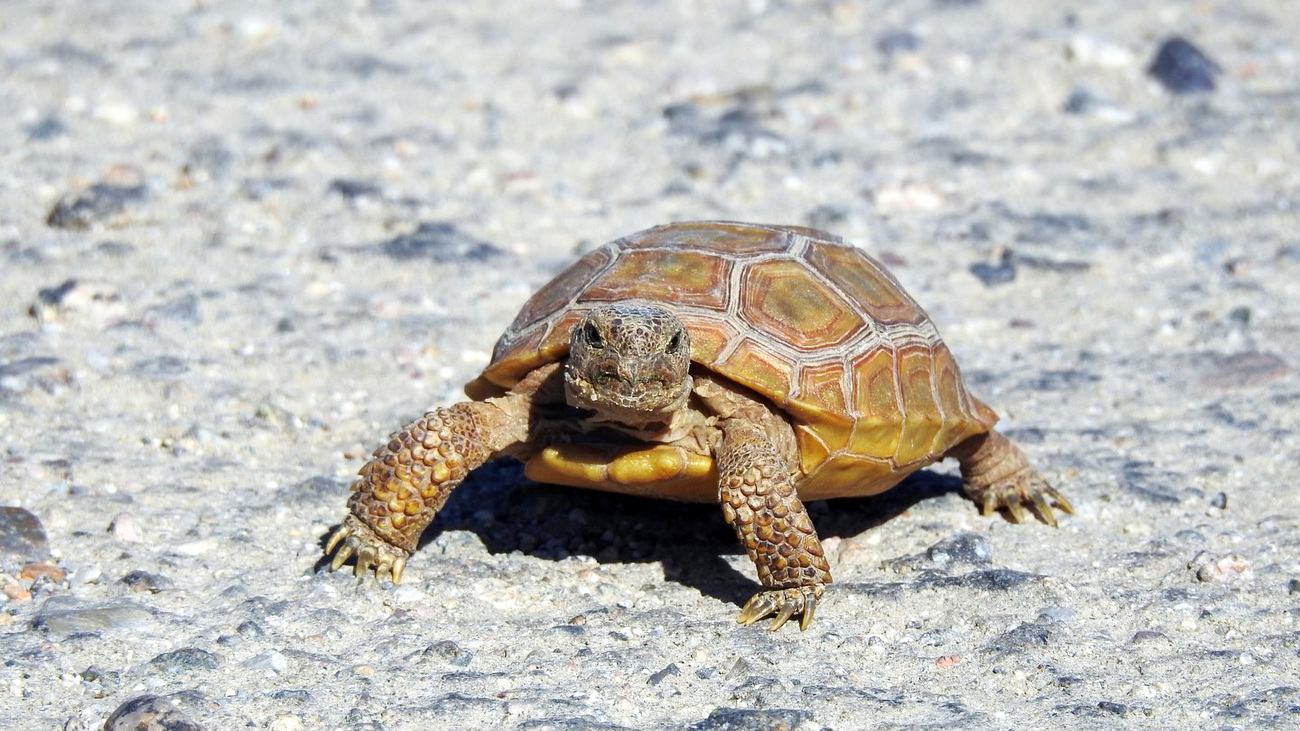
[(996, 474)]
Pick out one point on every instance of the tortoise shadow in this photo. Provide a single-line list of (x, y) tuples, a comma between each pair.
[(509, 513)]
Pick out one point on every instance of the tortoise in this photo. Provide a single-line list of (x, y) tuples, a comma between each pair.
[(754, 366)]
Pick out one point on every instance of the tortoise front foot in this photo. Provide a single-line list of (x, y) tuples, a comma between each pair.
[(355, 538), (996, 474), (784, 603)]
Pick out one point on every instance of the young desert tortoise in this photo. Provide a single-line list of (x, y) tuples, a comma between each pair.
[(755, 366)]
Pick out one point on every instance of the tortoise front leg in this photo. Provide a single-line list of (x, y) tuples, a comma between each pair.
[(408, 480), (759, 501)]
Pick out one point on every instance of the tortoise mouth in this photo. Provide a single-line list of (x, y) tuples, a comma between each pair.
[(615, 394)]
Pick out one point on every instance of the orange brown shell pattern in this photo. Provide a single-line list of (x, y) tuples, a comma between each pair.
[(808, 321)]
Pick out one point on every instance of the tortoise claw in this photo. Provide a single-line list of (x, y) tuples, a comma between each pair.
[(1043, 509), (784, 603), (988, 504), (344, 553), (354, 538), (1012, 504), (1061, 503)]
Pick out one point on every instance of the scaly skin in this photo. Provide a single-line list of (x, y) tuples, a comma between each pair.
[(759, 501), (408, 480), (996, 474)]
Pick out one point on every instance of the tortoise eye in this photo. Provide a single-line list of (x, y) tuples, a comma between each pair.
[(675, 344), (591, 334)]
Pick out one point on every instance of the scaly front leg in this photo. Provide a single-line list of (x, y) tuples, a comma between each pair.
[(759, 501), (408, 480)]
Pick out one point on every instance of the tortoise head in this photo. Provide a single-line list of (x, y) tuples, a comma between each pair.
[(629, 361)]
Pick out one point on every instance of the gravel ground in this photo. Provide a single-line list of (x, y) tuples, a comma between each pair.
[(241, 242)]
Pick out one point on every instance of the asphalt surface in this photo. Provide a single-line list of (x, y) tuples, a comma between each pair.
[(242, 242)]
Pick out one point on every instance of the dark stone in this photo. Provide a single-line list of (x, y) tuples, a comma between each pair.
[(992, 274), (149, 713), (351, 190), (54, 296), (449, 652), (1026, 635), (47, 129), (1118, 709), (1182, 68), (292, 695), (739, 719), (658, 677), (99, 202), (1081, 101), (441, 242), (970, 548), (22, 537), (142, 581), (185, 659)]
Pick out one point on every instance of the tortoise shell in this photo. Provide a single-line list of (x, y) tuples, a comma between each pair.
[(811, 323)]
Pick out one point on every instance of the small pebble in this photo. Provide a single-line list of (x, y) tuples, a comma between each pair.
[(149, 713), (1001, 270), (287, 723), (1181, 68), (142, 581), (270, 661), (124, 527), (185, 659), (78, 299), (22, 537), (99, 203), (1211, 568), (968, 548), (440, 242), (658, 677)]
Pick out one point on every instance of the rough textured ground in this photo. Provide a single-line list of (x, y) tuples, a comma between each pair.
[(241, 242)]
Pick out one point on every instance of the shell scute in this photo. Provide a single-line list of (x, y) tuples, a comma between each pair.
[(781, 297)]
